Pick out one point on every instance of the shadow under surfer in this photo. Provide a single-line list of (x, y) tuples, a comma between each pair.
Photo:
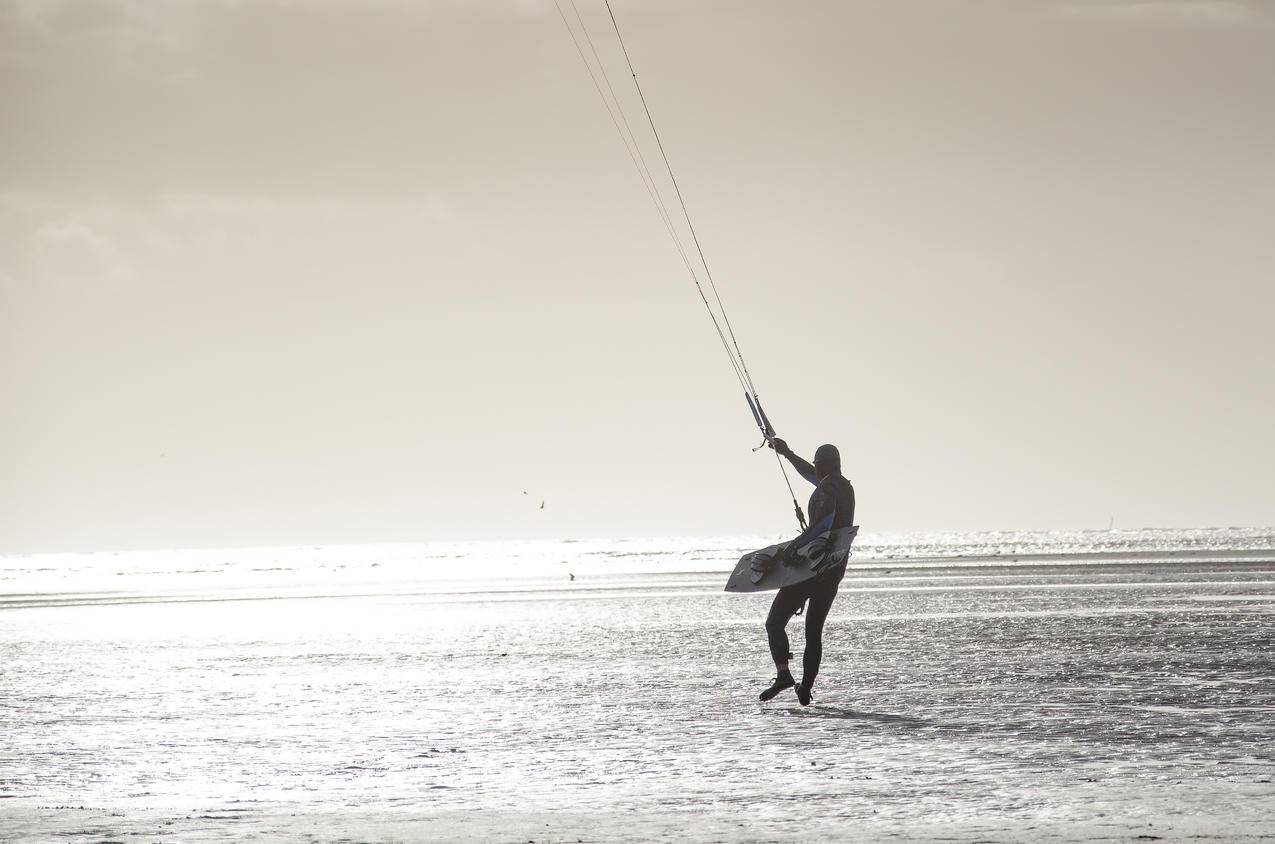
[(833, 495)]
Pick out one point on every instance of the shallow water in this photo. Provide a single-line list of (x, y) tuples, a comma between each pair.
[(1083, 697)]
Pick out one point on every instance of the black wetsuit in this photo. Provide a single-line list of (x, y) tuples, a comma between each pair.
[(835, 495)]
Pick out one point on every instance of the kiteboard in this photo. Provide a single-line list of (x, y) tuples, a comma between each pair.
[(776, 566)]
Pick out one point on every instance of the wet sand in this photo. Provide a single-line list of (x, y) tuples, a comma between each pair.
[(1103, 699)]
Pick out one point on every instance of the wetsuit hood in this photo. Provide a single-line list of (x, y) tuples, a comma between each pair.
[(827, 455)]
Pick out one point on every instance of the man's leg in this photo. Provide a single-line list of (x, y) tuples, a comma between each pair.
[(821, 598), (786, 603)]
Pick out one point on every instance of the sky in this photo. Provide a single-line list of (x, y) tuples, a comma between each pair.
[(285, 272)]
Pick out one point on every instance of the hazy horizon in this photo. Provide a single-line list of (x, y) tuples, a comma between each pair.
[(294, 273), (868, 534)]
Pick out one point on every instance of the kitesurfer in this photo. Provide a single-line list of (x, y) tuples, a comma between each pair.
[(833, 495)]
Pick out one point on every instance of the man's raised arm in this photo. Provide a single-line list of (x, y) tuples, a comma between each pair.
[(803, 468)]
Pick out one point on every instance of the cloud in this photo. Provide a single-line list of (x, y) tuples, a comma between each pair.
[(47, 241), (58, 244), (127, 21), (207, 206), (389, 97), (1163, 11), (76, 252)]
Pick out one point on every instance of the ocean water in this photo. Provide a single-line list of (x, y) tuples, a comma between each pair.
[(994, 686)]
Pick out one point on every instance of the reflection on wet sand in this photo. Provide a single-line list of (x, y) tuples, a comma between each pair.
[(1132, 702)]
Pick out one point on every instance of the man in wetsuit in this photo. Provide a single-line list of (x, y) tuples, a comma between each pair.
[(833, 495)]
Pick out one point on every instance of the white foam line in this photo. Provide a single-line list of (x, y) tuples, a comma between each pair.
[(1079, 559), (538, 592), (1079, 612), (1023, 587), (850, 575)]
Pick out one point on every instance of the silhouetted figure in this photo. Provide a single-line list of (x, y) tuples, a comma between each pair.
[(833, 495)]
